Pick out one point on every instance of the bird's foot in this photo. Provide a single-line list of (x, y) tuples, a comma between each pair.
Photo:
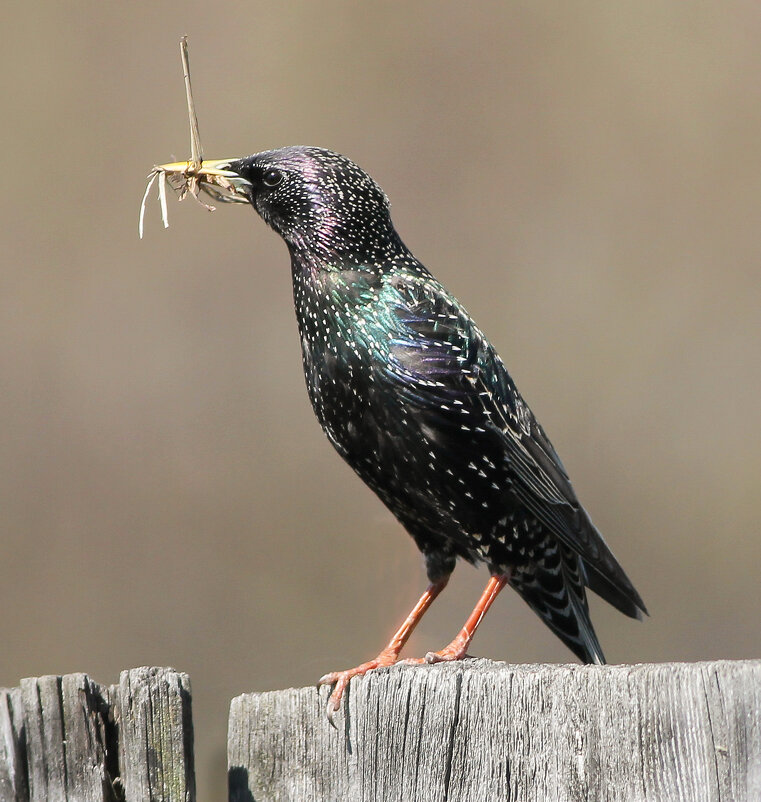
[(341, 679), (456, 650)]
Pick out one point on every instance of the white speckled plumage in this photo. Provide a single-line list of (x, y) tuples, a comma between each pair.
[(416, 399)]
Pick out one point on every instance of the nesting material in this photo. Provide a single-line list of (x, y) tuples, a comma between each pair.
[(195, 175)]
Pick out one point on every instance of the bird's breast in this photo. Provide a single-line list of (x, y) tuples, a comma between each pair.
[(338, 378)]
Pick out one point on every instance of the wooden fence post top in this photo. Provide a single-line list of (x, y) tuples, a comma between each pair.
[(68, 738), (475, 730), (480, 730)]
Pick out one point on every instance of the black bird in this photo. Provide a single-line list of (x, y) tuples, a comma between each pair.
[(415, 398)]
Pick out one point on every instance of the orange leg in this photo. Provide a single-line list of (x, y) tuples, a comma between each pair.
[(458, 648), (388, 656)]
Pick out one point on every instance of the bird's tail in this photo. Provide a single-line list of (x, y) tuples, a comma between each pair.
[(556, 593), (607, 579), (613, 594)]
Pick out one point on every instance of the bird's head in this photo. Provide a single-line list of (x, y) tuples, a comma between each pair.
[(321, 203)]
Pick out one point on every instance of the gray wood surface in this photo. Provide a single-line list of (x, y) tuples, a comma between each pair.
[(67, 738), (13, 779), (487, 731), (64, 738), (156, 729)]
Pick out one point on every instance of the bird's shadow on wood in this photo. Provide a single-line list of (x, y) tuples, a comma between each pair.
[(237, 785)]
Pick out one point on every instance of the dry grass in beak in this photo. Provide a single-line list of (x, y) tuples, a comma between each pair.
[(193, 176)]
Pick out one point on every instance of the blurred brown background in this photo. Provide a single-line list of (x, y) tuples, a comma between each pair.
[(585, 177)]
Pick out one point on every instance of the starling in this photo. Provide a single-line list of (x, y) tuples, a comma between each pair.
[(414, 397)]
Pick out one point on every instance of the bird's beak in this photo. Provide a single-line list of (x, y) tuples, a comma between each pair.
[(212, 176)]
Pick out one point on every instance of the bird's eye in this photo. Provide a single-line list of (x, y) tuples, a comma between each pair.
[(272, 178)]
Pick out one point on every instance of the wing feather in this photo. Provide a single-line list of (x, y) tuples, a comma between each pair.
[(440, 363)]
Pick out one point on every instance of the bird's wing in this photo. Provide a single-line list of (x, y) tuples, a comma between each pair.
[(441, 363)]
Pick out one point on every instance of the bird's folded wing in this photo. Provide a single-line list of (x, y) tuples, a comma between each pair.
[(442, 364)]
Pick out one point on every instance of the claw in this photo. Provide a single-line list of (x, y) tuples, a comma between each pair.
[(328, 679), (330, 713), (334, 700), (455, 651), (341, 680)]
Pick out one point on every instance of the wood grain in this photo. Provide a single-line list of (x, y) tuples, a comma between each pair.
[(156, 736), (69, 739), (486, 731)]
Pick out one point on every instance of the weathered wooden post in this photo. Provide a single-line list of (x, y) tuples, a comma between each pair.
[(480, 731), (70, 739), (476, 730)]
